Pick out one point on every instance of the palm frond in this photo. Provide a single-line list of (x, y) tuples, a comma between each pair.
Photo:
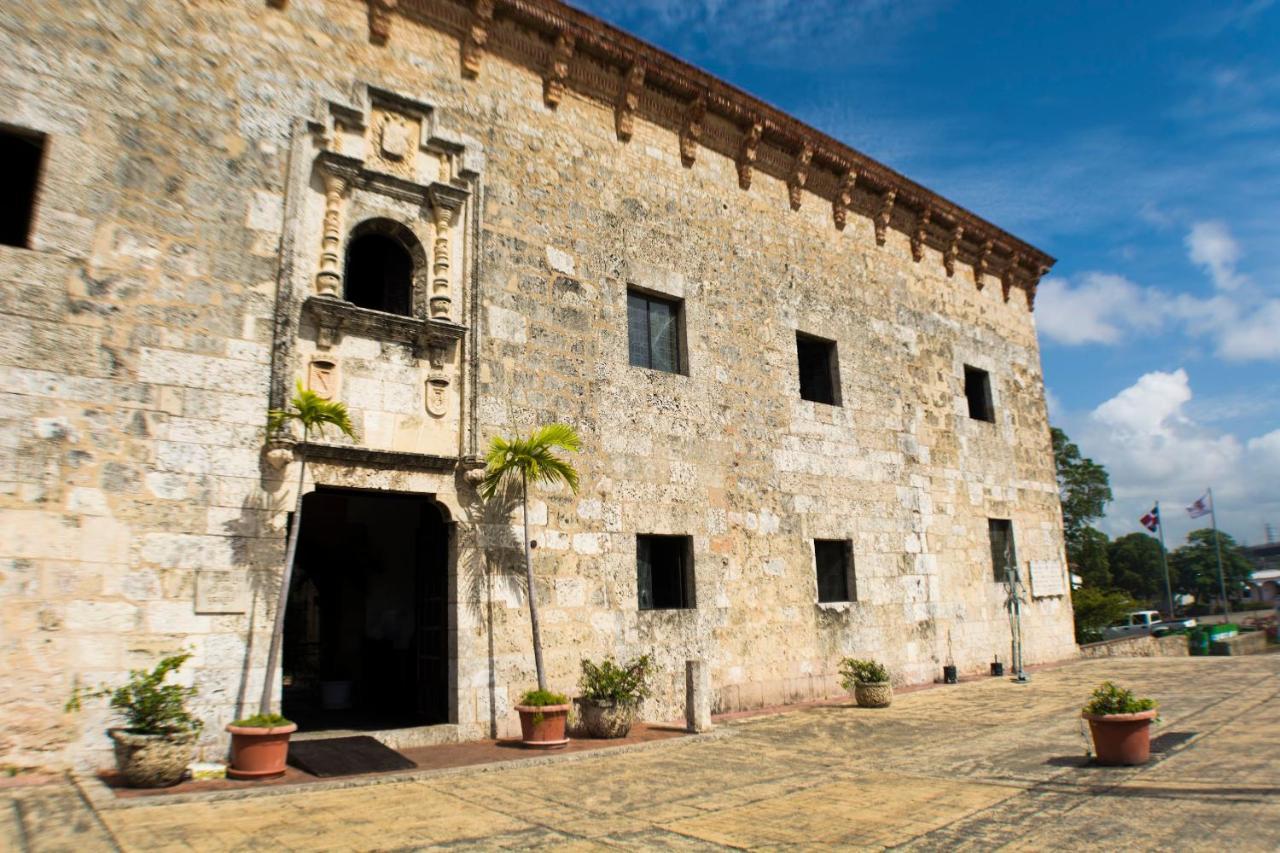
[(313, 413), (532, 459)]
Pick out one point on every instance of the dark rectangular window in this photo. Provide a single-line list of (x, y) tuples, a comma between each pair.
[(664, 572), (1003, 554), (834, 561), (653, 332), (21, 153), (819, 371), (977, 388)]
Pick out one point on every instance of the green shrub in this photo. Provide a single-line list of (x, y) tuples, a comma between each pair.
[(1109, 698), (854, 671), (263, 721), (148, 705), (608, 682), (542, 698)]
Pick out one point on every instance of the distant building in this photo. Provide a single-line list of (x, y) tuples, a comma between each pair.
[(1264, 584)]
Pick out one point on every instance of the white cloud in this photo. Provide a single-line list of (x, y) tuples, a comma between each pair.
[(1210, 245), (1154, 449), (1098, 309), (1241, 320)]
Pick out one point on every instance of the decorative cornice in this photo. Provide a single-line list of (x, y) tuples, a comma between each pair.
[(572, 50), (373, 457), (338, 317)]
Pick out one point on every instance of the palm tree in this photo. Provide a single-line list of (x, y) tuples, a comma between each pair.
[(532, 460), (313, 413)]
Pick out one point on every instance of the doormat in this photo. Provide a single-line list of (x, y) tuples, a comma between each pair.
[(346, 756)]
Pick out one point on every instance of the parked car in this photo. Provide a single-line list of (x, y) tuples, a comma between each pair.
[(1142, 622)]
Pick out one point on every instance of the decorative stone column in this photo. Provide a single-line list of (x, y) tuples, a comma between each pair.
[(446, 201), (329, 279)]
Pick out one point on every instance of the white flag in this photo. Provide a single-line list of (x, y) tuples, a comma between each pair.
[(1200, 507)]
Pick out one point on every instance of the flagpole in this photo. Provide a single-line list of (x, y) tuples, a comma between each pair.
[(1164, 561), (1217, 547)]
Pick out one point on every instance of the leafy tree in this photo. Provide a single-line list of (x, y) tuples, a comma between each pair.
[(531, 459), (1136, 566), (313, 414), (1095, 609), (1085, 491), (1092, 563), (1197, 565)]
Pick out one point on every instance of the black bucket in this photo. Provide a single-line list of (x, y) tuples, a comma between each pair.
[(949, 674), (997, 668)]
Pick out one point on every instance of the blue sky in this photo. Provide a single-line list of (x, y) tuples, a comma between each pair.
[(1138, 142)]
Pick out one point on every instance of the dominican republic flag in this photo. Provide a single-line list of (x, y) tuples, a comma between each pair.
[(1152, 519), (1200, 507)]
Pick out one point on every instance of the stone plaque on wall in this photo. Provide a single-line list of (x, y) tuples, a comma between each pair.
[(1046, 578), (221, 591)]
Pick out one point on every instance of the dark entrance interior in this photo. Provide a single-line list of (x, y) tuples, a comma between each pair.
[(366, 629)]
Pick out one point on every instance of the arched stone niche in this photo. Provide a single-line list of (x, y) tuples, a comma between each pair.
[(387, 195)]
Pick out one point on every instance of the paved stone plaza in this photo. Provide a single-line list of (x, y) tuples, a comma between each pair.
[(982, 765)]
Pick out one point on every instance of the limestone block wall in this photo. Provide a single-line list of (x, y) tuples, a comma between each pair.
[(136, 368)]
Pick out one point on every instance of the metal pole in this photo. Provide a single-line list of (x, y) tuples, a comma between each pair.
[(1015, 612), (1217, 547), (1164, 561)]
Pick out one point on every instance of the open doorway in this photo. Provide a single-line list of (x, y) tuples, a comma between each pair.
[(366, 629)]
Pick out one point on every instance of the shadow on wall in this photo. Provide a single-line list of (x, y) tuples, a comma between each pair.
[(493, 554)]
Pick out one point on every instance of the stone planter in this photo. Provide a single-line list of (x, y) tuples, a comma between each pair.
[(1121, 739), (873, 694), (542, 726), (606, 719), (259, 752), (152, 761)]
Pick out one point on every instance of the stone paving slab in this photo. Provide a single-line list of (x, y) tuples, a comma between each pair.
[(984, 765)]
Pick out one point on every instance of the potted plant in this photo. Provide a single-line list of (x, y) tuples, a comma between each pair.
[(611, 695), (157, 742), (543, 715), (868, 681), (1120, 724), (527, 459), (259, 746)]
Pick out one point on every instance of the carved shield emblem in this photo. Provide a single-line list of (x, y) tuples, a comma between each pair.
[(437, 396), (396, 141), (322, 378)]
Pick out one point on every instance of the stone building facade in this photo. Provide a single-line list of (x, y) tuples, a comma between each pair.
[(461, 219)]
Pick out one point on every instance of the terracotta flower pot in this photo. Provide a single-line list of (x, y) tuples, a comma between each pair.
[(873, 694), (152, 760), (1121, 739), (606, 719), (259, 752), (542, 726)]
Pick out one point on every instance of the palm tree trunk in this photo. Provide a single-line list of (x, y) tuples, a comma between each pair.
[(528, 572), (277, 630)]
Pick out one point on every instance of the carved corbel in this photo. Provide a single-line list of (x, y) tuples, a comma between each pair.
[(922, 231), (843, 198), (446, 201), (476, 37), (628, 101), (799, 175), (277, 4), (380, 20), (557, 73), (747, 152), (691, 132), (1010, 273), (329, 278), (883, 217), (1033, 284), (953, 250), (980, 266)]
